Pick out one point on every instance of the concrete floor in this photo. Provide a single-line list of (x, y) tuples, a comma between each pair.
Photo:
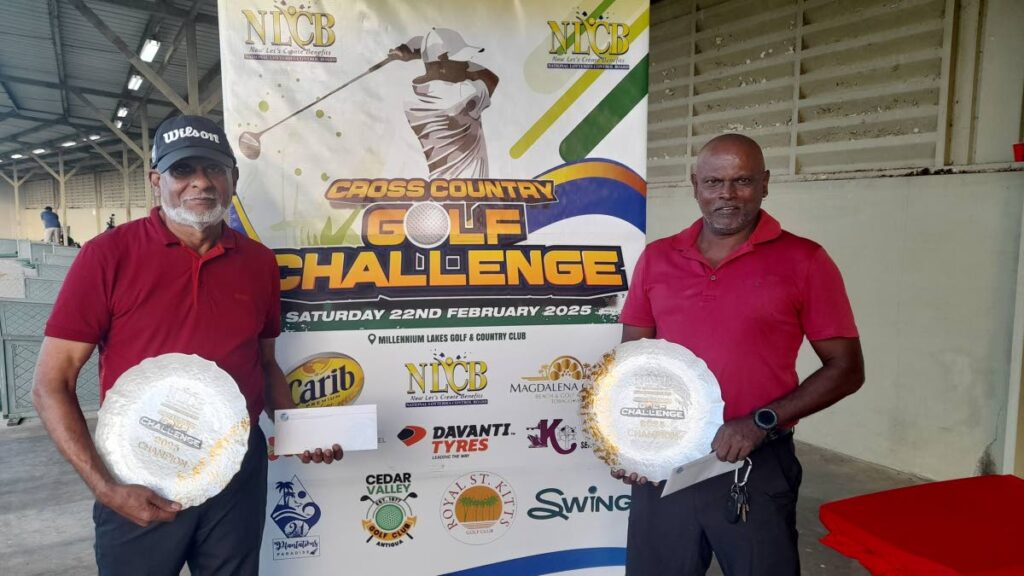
[(46, 511)]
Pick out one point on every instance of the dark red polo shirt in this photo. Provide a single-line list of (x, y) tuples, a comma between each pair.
[(747, 317), (137, 292)]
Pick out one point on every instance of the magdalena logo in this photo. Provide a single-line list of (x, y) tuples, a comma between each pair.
[(446, 381), (555, 504), (295, 514), (289, 33), (590, 41), (389, 519), (558, 381), (478, 508), (562, 438), (328, 379)]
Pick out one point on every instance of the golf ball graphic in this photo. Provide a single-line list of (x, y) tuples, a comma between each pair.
[(427, 225)]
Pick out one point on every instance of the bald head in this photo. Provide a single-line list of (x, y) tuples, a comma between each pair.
[(733, 145)]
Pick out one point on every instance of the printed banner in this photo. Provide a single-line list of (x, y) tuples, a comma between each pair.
[(455, 193)]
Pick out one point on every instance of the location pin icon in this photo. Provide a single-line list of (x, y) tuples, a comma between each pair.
[(372, 338)]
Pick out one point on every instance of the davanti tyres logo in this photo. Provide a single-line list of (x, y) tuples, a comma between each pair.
[(478, 508), (295, 514), (412, 434), (389, 519), (289, 32), (328, 379), (457, 440)]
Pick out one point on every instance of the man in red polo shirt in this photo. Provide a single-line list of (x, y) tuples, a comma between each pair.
[(741, 294), (178, 281)]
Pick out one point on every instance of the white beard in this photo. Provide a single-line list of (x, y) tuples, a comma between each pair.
[(186, 217)]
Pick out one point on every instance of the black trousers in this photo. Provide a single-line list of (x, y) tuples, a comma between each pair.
[(676, 535), (222, 536)]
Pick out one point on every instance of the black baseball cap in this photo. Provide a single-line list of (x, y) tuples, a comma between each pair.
[(188, 136)]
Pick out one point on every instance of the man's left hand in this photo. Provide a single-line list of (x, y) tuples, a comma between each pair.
[(736, 439), (320, 455)]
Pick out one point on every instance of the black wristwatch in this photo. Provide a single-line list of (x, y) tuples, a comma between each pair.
[(766, 419)]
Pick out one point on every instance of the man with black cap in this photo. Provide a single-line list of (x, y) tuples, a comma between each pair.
[(177, 281)]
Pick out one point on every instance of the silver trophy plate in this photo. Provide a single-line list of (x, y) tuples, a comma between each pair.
[(653, 405), (177, 424)]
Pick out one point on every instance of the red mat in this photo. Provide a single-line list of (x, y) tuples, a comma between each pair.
[(967, 526)]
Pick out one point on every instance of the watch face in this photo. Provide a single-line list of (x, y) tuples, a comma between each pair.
[(766, 418)]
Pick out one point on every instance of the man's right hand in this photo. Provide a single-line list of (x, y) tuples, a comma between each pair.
[(139, 504), (631, 479)]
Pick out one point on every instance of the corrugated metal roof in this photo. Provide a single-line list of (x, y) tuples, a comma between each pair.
[(31, 102)]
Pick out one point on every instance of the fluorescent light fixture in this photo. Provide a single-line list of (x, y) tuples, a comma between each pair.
[(16, 156), (122, 111), (94, 137), (149, 50), (68, 144), (134, 82), (39, 151), (118, 123)]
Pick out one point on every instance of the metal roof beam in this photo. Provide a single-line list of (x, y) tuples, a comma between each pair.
[(103, 118), (4, 78), (58, 51), (132, 57), (163, 8)]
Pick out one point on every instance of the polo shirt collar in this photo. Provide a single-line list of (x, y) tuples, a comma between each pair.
[(767, 229), (227, 236)]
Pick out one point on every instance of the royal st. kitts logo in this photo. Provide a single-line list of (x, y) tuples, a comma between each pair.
[(328, 379), (389, 519), (478, 508)]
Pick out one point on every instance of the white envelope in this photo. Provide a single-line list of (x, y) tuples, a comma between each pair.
[(299, 429), (697, 471)]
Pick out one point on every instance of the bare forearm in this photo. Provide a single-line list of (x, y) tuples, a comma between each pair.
[(277, 394), (64, 421), (829, 384)]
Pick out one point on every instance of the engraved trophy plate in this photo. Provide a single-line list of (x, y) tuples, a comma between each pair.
[(177, 424), (653, 405)]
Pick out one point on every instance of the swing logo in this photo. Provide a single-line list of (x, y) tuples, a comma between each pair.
[(289, 33), (295, 514)]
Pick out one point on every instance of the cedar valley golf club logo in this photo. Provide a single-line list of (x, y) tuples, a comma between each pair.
[(389, 519), (295, 514), (478, 508)]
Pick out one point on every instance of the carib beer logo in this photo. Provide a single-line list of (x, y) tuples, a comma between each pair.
[(328, 379)]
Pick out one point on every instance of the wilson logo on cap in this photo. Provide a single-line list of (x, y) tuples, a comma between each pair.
[(190, 132)]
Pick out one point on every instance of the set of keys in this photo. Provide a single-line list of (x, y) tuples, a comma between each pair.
[(738, 504)]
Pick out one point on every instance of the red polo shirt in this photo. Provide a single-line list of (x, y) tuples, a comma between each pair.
[(747, 317), (137, 292)]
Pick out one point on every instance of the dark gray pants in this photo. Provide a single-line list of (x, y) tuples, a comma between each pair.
[(222, 536), (676, 536)]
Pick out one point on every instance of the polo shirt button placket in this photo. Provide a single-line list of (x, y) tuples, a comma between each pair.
[(714, 277)]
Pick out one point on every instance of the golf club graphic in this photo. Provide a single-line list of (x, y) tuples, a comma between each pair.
[(386, 500), (249, 142)]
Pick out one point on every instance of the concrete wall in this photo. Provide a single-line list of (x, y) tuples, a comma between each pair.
[(930, 264)]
